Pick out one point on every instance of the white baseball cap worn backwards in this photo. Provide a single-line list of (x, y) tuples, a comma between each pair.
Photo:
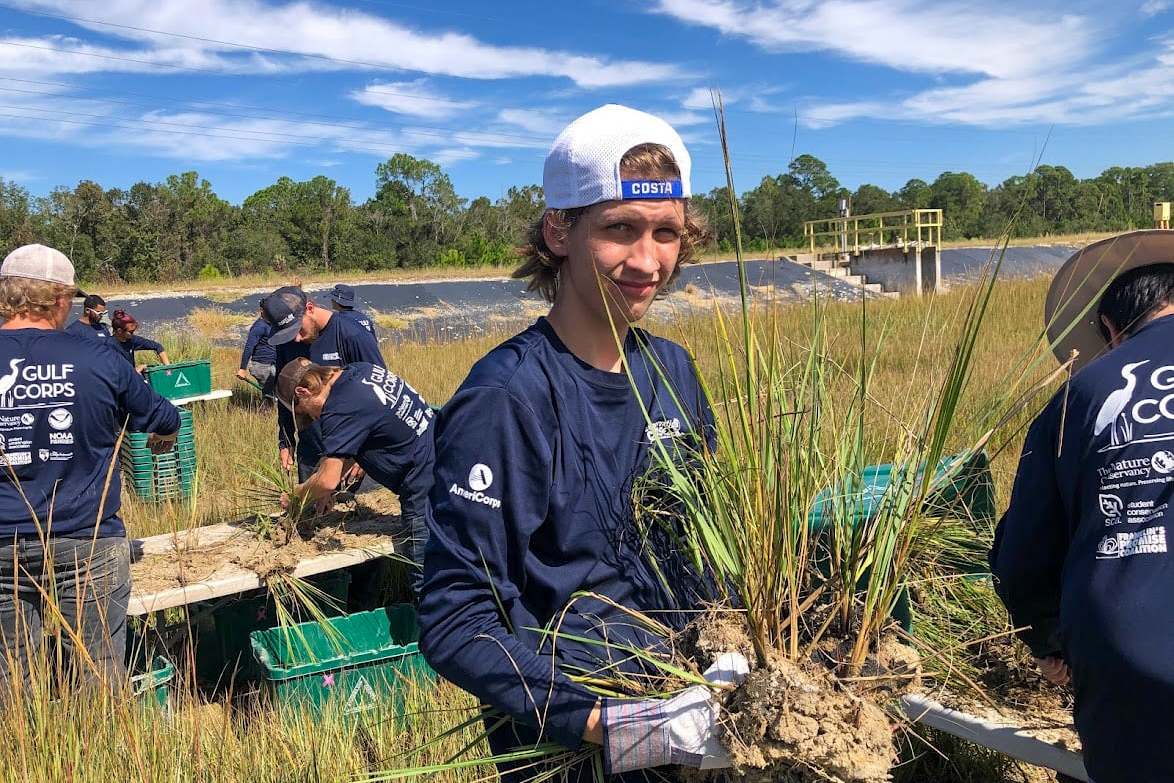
[(38, 262), (583, 166)]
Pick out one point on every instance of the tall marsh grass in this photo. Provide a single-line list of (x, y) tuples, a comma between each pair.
[(804, 356)]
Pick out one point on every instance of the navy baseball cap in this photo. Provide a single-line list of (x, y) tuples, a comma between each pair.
[(343, 294), (283, 310)]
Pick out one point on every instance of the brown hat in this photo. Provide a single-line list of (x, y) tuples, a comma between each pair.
[(1071, 308), (290, 378)]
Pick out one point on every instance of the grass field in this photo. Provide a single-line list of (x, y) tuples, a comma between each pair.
[(82, 738)]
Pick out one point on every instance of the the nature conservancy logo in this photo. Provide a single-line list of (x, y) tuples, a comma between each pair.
[(480, 479)]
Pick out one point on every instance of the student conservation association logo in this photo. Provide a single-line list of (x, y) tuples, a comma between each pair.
[(480, 479)]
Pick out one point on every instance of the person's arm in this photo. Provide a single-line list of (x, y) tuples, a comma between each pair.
[(255, 333), (473, 567), (322, 483), (1031, 540), (148, 411), (163, 357)]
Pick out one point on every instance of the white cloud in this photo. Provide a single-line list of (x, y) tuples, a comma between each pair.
[(325, 37), (907, 35), (415, 98), (1154, 7), (997, 62)]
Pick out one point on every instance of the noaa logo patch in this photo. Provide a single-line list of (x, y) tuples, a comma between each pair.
[(60, 419)]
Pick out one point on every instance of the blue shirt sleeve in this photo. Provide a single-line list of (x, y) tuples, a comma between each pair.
[(1031, 540), (147, 410), (257, 331), (474, 558), (136, 343)]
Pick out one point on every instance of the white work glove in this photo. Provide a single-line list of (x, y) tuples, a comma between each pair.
[(681, 730)]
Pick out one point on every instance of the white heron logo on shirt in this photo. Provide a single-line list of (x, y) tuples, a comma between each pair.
[(382, 395), (1114, 406)]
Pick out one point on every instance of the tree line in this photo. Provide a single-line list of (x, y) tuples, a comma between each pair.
[(180, 229)]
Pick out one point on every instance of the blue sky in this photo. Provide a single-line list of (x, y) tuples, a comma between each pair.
[(246, 91)]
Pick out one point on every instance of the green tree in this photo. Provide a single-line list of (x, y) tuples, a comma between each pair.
[(960, 197)]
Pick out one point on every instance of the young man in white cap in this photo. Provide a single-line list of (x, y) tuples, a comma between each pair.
[(537, 456), (1082, 557), (64, 401), (342, 300), (301, 328)]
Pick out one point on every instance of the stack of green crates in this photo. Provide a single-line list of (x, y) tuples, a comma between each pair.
[(158, 477)]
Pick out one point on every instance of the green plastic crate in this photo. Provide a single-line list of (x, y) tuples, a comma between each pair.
[(358, 669), (153, 685), (159, 477), (222, 650), (182, 379)]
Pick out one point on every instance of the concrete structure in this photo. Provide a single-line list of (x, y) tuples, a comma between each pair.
[(886, 252)]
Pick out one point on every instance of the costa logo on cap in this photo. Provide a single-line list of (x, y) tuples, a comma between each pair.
[(651, 188)]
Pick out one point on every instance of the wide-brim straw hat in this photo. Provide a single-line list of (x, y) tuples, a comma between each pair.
[(1070, 310)]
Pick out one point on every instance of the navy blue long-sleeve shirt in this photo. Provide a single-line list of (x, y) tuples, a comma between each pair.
[(63, 403), (341, 342), (537, 456), (257, 347), (1082, 553), (359, 317), (86, 329), (378, 420), (132, 344)]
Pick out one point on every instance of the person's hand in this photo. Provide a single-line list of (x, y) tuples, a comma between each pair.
[(139, 369), (161, 444), (1055, 670), (682, 730), (284, 500), (323, 506), (353, 475), (242, 374), (287, 459)]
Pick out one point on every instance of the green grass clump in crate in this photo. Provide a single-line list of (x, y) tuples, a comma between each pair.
[(222, 632), (356, 665)]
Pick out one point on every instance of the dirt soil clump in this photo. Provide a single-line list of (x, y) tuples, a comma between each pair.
[(222, 551), (799, 721)]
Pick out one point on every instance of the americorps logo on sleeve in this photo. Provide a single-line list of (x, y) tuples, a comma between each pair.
[(480, 479)]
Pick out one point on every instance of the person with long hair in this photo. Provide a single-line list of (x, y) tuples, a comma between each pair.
[(536, 559), (367, 416), (124, 328)]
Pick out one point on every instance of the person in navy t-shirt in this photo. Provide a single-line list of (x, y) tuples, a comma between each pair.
[(127, 341), (1082, 556), (300, 328), (259, 358), (538, 453), (92, 323), (342, 300), (64, 403), (370, 417)]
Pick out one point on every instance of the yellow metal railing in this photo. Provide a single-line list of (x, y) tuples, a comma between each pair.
[(855, 233)]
